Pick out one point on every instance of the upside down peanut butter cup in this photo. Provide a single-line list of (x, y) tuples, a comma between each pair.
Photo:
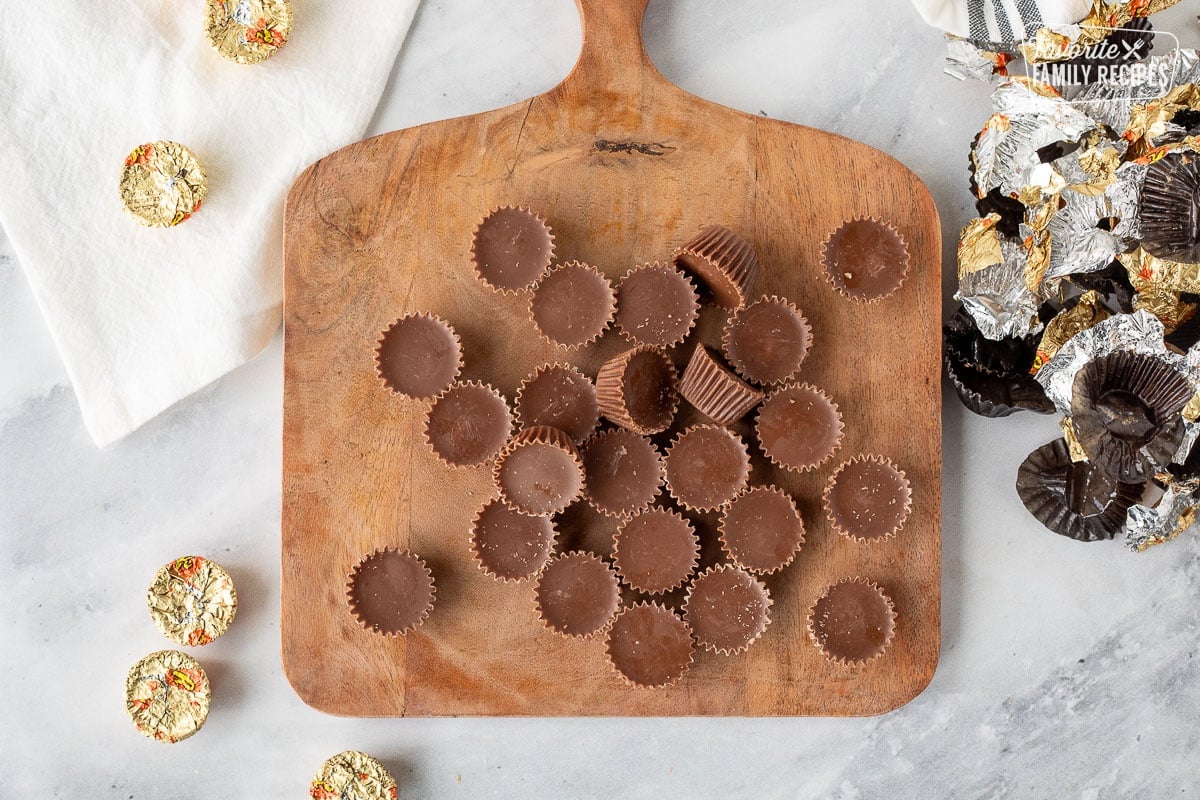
[(247, 31), (656, 305), (656, 551), (419, 356), (761, 529), (649, 646), (623, 472), (577, 594), (798, 427), (511, 249), (391, 592), (468, 424), (562, 397), (352, 774), (723, 261), (868, 498), (162, 184), (865, 259), (192, 600), (539, 471), (706, 466), (572, 305), (637, 390), (714, 390), (167, 695), (852, 622), (767, 341), (728, 609), (509, 545)]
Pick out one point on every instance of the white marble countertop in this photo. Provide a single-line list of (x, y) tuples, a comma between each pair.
[(1067, 670)]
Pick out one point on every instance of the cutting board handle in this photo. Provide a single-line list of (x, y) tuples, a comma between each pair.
[(613, 56)]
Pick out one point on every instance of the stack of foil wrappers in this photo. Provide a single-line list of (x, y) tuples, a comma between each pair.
[(1080, 279)]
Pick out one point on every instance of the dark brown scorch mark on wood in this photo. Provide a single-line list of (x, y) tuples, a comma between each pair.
[(645, 148)]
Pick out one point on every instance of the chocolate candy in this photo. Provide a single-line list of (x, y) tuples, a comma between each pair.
[(724, 262), (761, 529), (865, 259), (656, 551), (511, 249), (509, 545), (649, 645), (468, 424), (656, 305), (714, 390), (852, 622), (706, 466), (572, 305), (728, 609), (192, 600), (798, 427), (637, 390), (419, 356), (577, 594), (624, 472), (539, 472), (167, 695), (868, 498), (767, 341), (560, 396), (391, 592)]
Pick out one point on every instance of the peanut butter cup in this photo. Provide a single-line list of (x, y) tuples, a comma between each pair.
[(468, 424), (723, 261), (512, 248), (649, 646), (656, 551), (539, 471), (638, 390), (868, 498), (798, 427), (509, 545), (714, 390), (865, 259), (560, 396), (767, 341), (419, 356), (706, 466), (577, 594), (761, 529), (390, 592), (572, 305), (656, 305), (727, 608), (623, 472), (852, 622)]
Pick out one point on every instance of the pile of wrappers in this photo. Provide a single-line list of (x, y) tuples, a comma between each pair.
[(1080, 279)]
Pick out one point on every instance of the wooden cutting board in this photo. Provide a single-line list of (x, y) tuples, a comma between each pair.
[(624, 166)]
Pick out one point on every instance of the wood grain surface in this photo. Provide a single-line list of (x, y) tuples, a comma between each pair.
[(624, 166)]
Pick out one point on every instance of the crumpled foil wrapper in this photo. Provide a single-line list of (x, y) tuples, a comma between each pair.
[(991, 281), (1111, 102), (1086, 313), (192, 600), (353, 775), (167, 695), (967, 59), (1078, 243), (1139, 332), (1160, 283), (1146, 526)]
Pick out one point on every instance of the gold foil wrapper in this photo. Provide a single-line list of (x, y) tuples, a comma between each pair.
[(1159, 283), (979, 245), (1073, 445), (167, 696), (1148, 122), (1086, 313), (353, 774), (247, 31), (1191, 411), (162, 184), (192, 600)]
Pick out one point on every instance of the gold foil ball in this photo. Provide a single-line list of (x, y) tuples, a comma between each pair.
[(247, 31), (192, 600), (162, 184), (167, 696), (353, 774)]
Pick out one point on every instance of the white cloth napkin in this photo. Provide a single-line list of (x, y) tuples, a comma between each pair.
[(1002, 21), (143, 317)]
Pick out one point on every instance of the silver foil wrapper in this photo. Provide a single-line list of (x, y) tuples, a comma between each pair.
[(997, 297), (1139, 332), (1146, 526), (1110, 102), (966, 59), (1078, 244)]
